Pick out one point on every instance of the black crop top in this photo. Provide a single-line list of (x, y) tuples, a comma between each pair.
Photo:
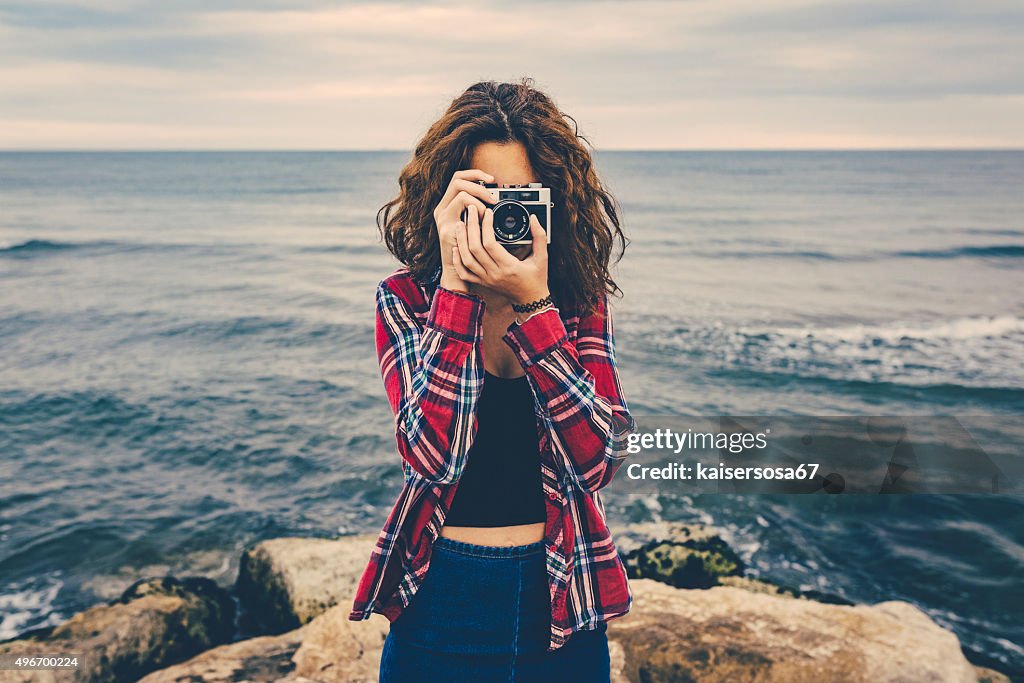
[(500, 484)]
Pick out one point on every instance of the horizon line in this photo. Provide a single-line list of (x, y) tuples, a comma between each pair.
[(44, 150)]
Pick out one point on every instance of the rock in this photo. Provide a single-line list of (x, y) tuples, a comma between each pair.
[(684, 565), (739, 629), (681, 555), (156, 622), (693, 556), (757, 586), (286, 582), (631, 537), (986, 675), (748, 630), (730, 634), (718, 634), (329, 649), (266, 658), (337, 650)]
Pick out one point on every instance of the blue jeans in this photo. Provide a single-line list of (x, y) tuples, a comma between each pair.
[(482, 615)]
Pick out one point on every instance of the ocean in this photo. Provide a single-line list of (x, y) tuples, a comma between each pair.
[(188, 362)]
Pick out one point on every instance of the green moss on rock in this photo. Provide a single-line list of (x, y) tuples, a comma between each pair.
[(684, 564)]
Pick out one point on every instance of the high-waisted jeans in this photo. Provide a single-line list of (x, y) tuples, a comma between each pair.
[(482, 615)]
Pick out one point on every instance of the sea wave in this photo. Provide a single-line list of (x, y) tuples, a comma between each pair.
[(35, 245), (22, 603), (958, 328), (41, 247), (986, 251), (980, 352), (80, 412)]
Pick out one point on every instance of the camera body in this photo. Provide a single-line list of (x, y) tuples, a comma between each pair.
[(513, 205)]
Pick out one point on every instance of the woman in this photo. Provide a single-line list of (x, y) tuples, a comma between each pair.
[(496, 563)]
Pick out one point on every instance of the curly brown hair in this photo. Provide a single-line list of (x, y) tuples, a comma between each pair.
[(585, 218)]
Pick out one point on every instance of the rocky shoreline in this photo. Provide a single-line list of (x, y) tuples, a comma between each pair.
[(696, 617)]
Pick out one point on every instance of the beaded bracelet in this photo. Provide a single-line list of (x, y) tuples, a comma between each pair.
[(523, 321), (533, 305)]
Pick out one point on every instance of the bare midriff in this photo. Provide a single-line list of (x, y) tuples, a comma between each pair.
[(517, 534)]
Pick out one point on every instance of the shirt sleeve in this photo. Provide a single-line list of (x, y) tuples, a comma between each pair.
[(433, 374), (580, 391)]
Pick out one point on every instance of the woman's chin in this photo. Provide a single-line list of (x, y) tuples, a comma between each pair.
[(520, 251)]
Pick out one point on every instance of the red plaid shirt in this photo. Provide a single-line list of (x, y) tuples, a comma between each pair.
[(430, 352)]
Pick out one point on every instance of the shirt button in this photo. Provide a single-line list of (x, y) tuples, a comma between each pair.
[(553, 496)]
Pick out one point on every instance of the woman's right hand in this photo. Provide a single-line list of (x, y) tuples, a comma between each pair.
[(462, 192)]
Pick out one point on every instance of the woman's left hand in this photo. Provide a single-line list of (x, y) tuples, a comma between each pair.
[(480, 259)]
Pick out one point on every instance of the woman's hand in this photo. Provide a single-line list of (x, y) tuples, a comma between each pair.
[(480, 259), (461, 192)]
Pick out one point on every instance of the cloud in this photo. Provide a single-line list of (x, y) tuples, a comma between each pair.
[(706, 73)]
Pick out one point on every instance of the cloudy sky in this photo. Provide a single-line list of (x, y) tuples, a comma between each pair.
[(708, 74)]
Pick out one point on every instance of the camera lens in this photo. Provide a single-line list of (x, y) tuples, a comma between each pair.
[(511, 221)]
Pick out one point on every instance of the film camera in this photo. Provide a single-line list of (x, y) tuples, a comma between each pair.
[(513, 205)]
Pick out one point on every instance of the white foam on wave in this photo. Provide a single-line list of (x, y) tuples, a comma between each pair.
[(973, 352), (959, 328), (19, 605)]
